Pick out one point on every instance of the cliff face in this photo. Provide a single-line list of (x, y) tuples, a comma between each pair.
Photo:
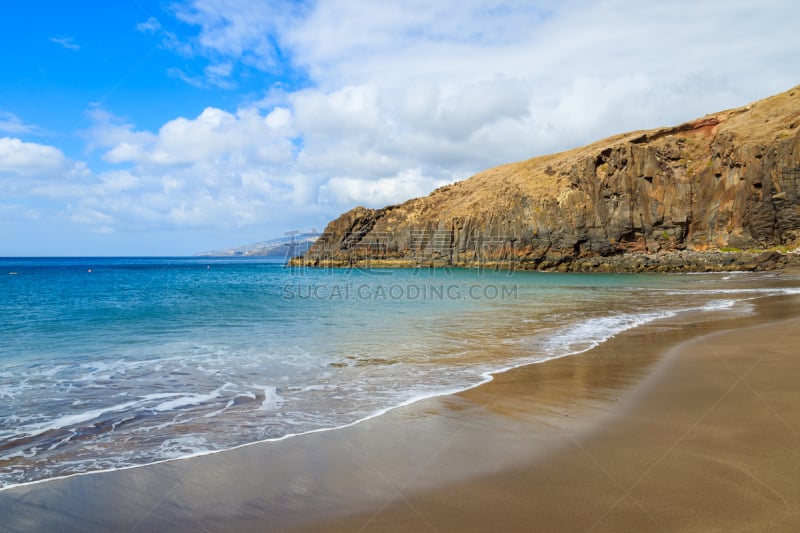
[(644, 200)]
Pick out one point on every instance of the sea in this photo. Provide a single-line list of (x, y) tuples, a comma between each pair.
[(109, 363)]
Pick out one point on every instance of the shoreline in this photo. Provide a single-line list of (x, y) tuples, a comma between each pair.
[(662, 262), (237, 476), (487, 377), (687, 471)]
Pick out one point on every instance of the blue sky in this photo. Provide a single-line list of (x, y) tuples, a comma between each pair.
[(166, 128)]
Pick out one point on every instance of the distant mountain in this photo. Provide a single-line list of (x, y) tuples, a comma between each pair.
[(710, 194), (278, 248)]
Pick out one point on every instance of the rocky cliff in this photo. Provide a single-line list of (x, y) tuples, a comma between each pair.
[(692, 197)]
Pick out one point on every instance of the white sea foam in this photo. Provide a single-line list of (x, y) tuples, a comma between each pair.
[(63, 421), (719, 305), (161, 395), (178, 447), (21, 453), (191, 399), (272, 400), (62, 441), (590, 333), (766, 291), (317, 387), (9, 392)]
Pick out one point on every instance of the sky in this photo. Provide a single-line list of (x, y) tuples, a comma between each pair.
[(141, 127)]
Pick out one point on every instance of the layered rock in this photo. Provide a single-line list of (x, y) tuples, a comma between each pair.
[(649, 200)]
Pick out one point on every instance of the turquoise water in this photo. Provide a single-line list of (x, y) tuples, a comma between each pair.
[(108, 363)]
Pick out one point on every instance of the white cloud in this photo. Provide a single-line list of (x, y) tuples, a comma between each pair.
[(399, 98), (454, 87), (219, 72), (117, 181), (195, 196), (239, 30), (11, 123), (384, 191), (214, 136), (351, 110), (233, 36), (67, 42), (98, 221), (218, 169), (32, 175), (151, 25), (216, 75), (110, 131), (194, 81), (167, 39), (279, 119), (18, 158)]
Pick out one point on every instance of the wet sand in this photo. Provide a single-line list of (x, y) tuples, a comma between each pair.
[(687, 424)]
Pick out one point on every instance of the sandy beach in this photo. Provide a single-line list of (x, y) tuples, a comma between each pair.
[(685, 424)]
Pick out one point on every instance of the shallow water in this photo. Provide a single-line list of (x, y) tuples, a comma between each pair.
[(107, 363)]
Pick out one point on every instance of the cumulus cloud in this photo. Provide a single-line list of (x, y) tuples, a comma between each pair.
[(350, 110), (400, 98), (355, 191), (457, 86), (110, 131), (242, 138), (30, 172), (18, 158), (217, 169)]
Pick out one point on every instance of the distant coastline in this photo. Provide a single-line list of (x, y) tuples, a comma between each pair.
[(288, 246)]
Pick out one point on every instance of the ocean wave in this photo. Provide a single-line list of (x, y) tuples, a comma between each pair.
[(191, 399), (591, 333), (143, 403), (66, 421), (272, 400)]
